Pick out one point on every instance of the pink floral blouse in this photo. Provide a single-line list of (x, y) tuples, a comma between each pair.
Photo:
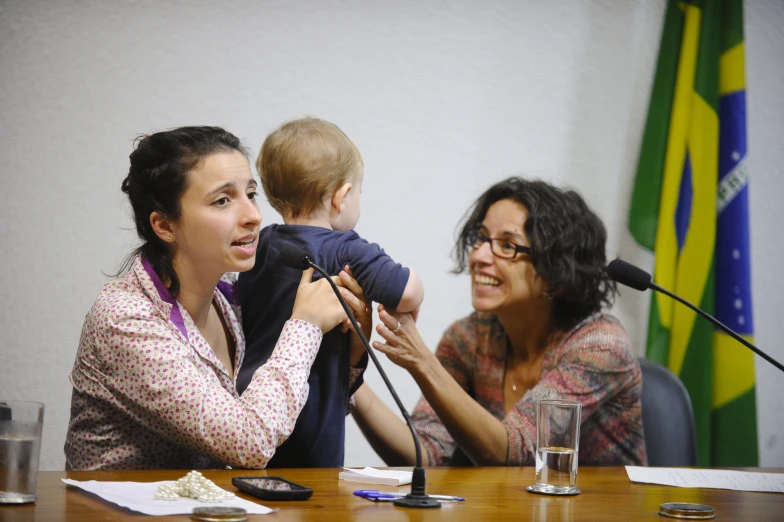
[(149, 392)]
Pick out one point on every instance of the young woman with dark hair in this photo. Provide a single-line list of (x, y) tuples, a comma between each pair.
[(536, 258), (154, 381)]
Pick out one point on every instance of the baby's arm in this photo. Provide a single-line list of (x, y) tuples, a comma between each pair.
[(381, 278), (413, 295)]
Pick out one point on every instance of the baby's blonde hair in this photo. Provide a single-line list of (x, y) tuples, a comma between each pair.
[(304, 161)]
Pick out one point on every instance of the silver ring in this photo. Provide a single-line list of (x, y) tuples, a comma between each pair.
[(398, 327)]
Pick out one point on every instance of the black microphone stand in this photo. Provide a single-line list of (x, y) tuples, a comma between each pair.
[(417, 498)]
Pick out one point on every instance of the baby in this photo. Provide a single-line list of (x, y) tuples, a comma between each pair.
[(312, 175)]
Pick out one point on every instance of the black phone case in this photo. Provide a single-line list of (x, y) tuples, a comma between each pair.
[(297, 492)]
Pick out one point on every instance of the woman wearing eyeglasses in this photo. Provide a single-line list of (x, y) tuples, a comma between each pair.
[(536, 257)]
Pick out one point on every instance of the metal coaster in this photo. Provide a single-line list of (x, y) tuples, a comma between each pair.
[(550, 490), (16, 498), (219, 514), (687, 511)]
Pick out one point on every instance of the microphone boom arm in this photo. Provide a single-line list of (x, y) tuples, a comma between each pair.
[(372, 355), (417, 497), (721, 325)]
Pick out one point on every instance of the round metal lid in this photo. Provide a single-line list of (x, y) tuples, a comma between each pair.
[(219, 514), (687, 511)]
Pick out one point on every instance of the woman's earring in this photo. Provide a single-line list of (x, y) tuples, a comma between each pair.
[(170, 238), (548, 294)]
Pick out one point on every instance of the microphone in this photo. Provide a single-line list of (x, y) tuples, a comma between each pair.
[(294, 257), (634, 277), (627, 274)]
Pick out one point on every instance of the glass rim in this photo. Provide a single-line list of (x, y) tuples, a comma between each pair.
[(559, 402), (14, 402)]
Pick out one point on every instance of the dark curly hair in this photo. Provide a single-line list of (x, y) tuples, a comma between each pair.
[(157, 180), (567, 240)]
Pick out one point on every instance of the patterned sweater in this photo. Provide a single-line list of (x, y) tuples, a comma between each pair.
[(592, 364), (149, 392)]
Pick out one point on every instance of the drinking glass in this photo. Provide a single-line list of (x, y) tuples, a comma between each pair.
[(557, 446), (21, 423)]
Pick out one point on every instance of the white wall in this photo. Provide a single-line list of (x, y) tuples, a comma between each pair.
[(442, 98)]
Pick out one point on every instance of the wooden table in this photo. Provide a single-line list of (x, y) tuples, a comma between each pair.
[(492, 494)]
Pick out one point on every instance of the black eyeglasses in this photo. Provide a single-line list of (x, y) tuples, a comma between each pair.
[(502, 248)]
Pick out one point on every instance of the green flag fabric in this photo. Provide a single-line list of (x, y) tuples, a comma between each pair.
[(690, 206)]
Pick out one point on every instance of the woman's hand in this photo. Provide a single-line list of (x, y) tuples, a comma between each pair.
[(362, 313), (404, 346), (355, 297), (317, 303)]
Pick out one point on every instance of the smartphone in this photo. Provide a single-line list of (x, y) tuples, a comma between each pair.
[(271, 488)]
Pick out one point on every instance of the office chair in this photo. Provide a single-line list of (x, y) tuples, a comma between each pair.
[(667, 418)]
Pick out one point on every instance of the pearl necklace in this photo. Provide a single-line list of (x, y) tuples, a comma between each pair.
[(193, 485)]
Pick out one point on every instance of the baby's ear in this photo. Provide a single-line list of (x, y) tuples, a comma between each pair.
[(339, 195)]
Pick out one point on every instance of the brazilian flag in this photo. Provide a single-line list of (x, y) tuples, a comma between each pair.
[(690, 206)]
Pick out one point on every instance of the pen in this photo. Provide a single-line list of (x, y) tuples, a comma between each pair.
[(446, 497), (376, 495)]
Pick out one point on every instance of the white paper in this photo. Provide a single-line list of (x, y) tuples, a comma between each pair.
[(377, 476), (139, 496), (709, 478)]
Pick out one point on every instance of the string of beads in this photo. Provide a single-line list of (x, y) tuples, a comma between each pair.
[(193, 485)]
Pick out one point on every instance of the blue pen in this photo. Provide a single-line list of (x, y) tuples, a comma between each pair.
[(379, 496)]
